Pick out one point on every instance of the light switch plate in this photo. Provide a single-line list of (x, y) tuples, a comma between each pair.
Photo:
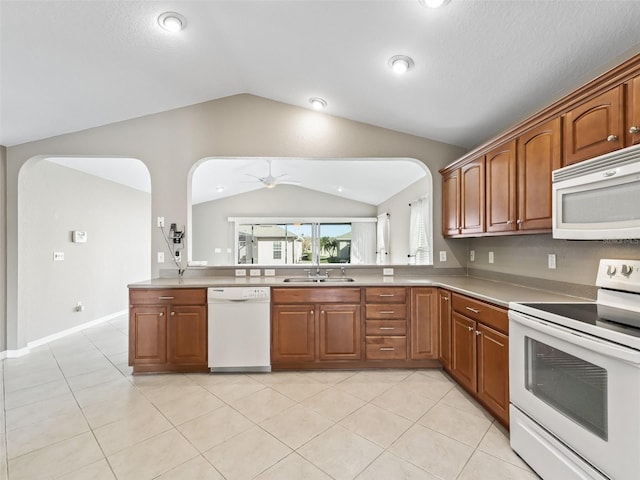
[(443, 255), (269, 272), (254, 272), (160, 257), (387, 271), (491, 257), (160, 222), (472, 256), (551, 261), (241, 272), (58, 256)]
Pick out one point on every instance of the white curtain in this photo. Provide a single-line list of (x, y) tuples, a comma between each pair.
[(383, 247), (363, 243), (420, 235)]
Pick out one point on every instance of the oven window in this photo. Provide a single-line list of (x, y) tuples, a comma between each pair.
[(570, 385)]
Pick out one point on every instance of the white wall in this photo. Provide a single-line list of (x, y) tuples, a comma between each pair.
[(55, 201), (210, 227), (400, 213), (3, 249), (171, 143)]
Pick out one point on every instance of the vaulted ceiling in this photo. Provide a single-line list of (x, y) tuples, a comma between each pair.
[(480, 66)]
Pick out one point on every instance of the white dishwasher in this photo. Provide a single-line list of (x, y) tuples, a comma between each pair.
[(239, 329)]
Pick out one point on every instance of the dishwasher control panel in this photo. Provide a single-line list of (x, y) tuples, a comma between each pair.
[(239, 293)]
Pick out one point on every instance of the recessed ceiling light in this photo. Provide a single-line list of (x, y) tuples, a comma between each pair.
[(318, 103), (220, 189), (339, 188), (433, 3), (400, 64), (172, 22)]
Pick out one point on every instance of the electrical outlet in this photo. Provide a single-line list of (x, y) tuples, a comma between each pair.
[(160, 257), (472, 256), (387, 271), (443, 256), (551, 261), (491, 257), (269, 272), (58, 256), (241, 272), (160, 222), (254, 272)]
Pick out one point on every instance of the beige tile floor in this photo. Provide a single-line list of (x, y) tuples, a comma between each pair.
[(72, 410)]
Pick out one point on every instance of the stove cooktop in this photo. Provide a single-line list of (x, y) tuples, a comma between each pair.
[(615, 319)]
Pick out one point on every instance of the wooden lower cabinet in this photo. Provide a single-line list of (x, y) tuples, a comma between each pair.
[(292, 333), (340, 332), (168, 330), (493, 370), (346, 327), (480, 353), (444, 326), (424, 327)]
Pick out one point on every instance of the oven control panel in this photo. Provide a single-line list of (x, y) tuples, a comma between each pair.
[(619, 274)]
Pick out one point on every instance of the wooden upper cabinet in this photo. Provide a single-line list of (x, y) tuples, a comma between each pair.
[(633, 111), (595, 127), (539, 153), (500, 165), (472, 197), (451, 203)]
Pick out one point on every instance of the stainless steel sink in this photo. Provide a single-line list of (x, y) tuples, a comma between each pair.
[(318, 279)]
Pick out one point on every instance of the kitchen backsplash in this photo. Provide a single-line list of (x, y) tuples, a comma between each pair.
[(527, 256)]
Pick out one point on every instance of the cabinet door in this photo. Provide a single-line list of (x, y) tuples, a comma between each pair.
[(500, 167), (187, 338), (292, 333), (463, 350), (472, 197), (451, 203), (633, 111), (340, 332), (147, 335), (594, 128), (424, 325), (539, 153), (444, 320), (493, 371)]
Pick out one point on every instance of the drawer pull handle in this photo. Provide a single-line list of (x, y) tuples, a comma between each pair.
[(387, 328), (386, 312), (387, 349), (474, 310), (165, 298), (386, 295)]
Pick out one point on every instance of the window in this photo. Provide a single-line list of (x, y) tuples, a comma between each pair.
[(307, 241), (277, 250)]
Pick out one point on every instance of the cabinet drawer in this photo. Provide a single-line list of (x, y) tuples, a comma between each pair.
[(483, 312), (386, 348), (315, 295), (386, 311), (385, 295), (385, 327), (166, 296)]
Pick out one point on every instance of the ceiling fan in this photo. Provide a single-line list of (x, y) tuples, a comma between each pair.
[(270, 181)]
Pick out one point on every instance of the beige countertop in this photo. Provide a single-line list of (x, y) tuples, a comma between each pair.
[(498, 293)]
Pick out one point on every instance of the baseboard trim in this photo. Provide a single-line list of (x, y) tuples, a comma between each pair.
[(64, 333)]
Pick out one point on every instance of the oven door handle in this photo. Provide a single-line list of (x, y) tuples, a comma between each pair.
[(588, 342)]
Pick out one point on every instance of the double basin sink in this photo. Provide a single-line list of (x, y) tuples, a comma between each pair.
[(318, 279)]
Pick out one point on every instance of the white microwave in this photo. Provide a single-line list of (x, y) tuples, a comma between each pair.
[(598, 199)]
